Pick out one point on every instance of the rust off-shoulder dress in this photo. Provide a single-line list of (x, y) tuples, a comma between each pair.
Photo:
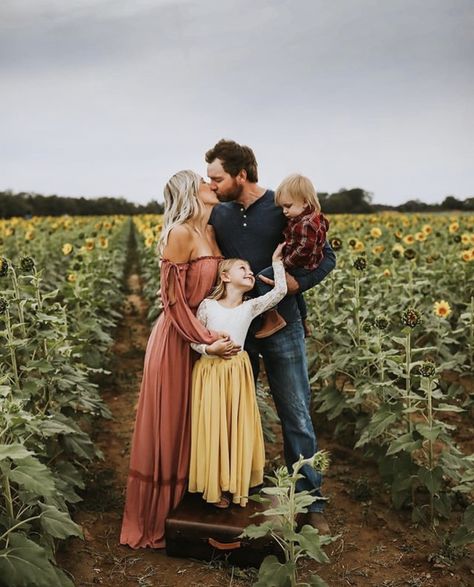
[(159, 459)]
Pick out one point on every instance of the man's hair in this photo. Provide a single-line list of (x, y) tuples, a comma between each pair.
[(234, 158), (298, 188)]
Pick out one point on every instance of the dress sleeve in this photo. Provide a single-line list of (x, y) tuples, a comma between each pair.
[(201, 315), (175, 305), (270, 299)]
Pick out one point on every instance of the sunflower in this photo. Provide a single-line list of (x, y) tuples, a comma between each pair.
[(359, 246), (453, 227), (67, 249), (72, 277), (409, 239), (29, 235), (397, 247), (420, 236), (149, 241), (378, 249), (442, 309), (103, 242), (427, 229), (375, 232), (90, 244), (386, 273), (465, 239)]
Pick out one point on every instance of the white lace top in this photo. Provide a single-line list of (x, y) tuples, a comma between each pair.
[(236, 321)]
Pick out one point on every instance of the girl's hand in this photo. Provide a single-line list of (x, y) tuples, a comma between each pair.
[(278, 252), (223, 348), (223, 335)]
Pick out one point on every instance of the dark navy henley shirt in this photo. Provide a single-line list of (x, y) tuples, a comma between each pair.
[(253, 233)]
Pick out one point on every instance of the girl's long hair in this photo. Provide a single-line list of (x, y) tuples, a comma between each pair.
[(219, 289), (181, 202)]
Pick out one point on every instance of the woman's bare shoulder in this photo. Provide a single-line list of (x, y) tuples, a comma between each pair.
[(180, 243)]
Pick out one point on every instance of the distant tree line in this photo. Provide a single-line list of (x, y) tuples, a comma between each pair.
[(353, 201), (29, 204), (358, 201)]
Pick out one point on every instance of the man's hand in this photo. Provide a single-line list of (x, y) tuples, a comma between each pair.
[(291, 283)]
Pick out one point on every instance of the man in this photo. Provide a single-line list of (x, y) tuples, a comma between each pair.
[(249, 225)]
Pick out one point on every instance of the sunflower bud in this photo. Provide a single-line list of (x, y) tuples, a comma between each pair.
[(360, 264), (377, 261), (321, 461), (411, 317), (27, 264), (409, 254), (381, 322), (336, 243), (368, 325), (3, 306), (3, 266), (427, 369)]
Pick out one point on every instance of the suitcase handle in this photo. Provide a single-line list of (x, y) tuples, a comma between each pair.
[(224, 545)]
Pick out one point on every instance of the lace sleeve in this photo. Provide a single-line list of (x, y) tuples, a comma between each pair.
[(201, 315), (270, 299)]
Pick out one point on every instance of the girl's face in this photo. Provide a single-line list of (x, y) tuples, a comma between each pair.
[(291, 207), (240, 275)]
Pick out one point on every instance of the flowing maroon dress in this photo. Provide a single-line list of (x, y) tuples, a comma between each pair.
[(159, 459)]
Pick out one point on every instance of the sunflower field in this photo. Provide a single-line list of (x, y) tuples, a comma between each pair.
[(391, 360), (60, 287)]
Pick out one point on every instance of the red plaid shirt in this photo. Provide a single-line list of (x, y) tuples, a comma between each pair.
[(305, 236)]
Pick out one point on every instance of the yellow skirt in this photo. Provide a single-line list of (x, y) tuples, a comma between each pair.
[(227, 449)]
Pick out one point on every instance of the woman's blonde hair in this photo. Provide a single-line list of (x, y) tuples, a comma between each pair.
[(181, 202), (299, 188), (219, 289)]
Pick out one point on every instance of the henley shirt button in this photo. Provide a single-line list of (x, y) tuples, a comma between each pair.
[(245, 224), (245, 215)]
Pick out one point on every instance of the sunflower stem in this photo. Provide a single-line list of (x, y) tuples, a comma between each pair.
[(16, 289), (11, 346)]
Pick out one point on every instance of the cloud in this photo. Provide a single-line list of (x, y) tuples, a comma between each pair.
[(112, 96)]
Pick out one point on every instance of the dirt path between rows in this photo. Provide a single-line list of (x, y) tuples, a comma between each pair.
[(377, 546)]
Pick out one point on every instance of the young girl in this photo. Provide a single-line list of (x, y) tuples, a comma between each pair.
[(227, 450)]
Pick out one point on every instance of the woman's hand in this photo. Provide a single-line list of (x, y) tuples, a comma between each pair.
[(223, 347), (278, 252)]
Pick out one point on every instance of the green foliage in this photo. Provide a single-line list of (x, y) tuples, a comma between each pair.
[(285, 505), (383, 379)]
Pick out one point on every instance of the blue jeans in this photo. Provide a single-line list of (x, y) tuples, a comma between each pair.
[(262, 288), (284, 356)]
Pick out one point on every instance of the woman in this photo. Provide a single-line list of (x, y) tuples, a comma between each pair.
[(159, 460)]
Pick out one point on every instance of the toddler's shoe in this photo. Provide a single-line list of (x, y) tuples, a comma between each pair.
[(272, 322)]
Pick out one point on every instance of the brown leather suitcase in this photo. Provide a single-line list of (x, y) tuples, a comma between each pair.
[(199, 530)]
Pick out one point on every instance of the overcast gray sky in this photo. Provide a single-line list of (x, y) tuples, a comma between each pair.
[(111, 97)]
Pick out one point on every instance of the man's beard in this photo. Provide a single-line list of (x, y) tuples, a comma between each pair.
[(232, 194)]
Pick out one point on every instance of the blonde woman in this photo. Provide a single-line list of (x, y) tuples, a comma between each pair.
[(159, 459)]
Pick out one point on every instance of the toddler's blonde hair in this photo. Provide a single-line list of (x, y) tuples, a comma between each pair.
[(298, 188), (219, 289)]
